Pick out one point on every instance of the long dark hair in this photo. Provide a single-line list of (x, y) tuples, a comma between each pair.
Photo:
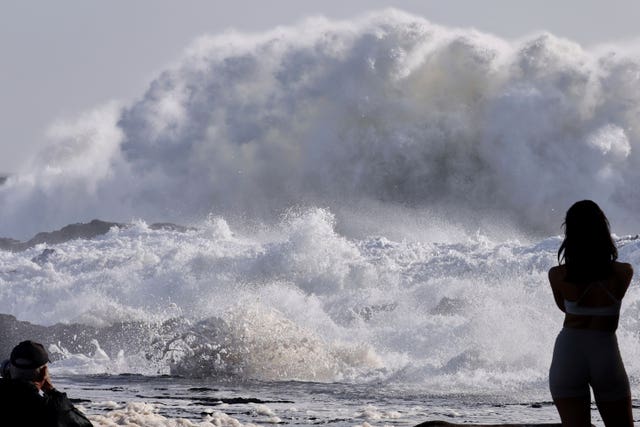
[(587, 250)]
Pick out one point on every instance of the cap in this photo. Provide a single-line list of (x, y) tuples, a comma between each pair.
[(29, 355)]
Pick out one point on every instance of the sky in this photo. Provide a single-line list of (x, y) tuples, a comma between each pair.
[(58, 59)]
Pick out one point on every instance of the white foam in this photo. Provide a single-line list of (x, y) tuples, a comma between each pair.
[(300, 301), (138, 414)]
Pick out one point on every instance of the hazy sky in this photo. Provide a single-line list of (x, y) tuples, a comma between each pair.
[(59, 58)]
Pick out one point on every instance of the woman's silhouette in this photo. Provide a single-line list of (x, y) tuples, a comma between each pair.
[(588, 286)]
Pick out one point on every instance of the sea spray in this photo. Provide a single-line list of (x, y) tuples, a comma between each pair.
[(387, 109), (299, 301)]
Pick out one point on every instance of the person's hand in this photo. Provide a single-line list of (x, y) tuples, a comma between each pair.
[(5, 372), (46, 381)]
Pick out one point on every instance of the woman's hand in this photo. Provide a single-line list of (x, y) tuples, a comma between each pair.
[(46, 384)]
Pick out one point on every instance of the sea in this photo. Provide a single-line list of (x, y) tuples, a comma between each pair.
[(346, 223)]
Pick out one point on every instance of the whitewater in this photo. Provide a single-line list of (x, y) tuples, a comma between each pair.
[(367, 211)]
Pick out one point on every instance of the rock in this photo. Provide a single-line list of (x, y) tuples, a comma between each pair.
[(8, 244), (76, 338), (446, 424), (44, 256), (448, 306), (170, 227), (367, 312), (73, 231), (78, 231)]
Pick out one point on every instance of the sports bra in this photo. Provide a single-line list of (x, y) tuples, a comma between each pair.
[(574, 307)]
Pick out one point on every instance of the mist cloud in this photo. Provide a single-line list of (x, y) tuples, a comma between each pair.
[(388, 107)]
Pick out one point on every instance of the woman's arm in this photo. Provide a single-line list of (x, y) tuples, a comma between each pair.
[(554, 278), (624, 272)]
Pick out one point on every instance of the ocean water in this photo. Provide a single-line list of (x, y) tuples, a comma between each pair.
[(372, 207), (344, 330), (170, 401)]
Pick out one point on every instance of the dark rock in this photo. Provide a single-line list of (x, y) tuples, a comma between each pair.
[(367, 312), (86, 231), (44, 256), (446, 424), (8, 244), (135, 336), (74, 231), (69, 232), (468, 359), (201, 389), (170, 227), (448, 306)]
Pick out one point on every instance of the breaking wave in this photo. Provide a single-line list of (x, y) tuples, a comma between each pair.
[(297, 301), (388, 109)]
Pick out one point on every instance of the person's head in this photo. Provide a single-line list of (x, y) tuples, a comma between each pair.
[(588, 249), (28, 362)]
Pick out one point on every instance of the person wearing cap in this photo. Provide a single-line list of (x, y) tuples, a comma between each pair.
[(27, 396)]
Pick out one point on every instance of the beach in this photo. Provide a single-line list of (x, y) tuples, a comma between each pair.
[(162, 401)]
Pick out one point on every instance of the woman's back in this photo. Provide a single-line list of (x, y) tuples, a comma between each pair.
[(593, 305)]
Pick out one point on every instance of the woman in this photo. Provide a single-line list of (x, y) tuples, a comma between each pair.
[(588, 286)]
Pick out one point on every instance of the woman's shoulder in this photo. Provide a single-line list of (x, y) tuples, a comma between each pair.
[(557, 273), (623, 270)]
